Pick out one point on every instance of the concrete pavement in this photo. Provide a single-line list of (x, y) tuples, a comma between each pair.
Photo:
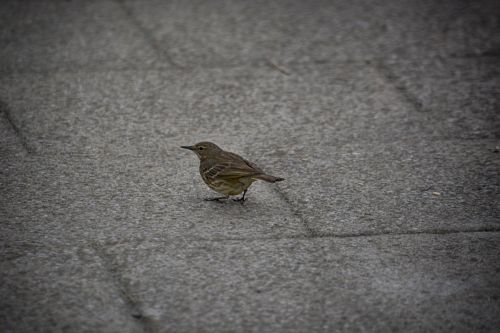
[(382, 117)]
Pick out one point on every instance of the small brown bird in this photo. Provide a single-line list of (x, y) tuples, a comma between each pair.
[(226, 172)]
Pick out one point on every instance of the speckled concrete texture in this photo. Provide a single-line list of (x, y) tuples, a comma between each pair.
[(48, 36), (49, 285), (382, 116), (385, 283)]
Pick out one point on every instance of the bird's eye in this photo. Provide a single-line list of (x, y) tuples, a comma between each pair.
[(201, 148)]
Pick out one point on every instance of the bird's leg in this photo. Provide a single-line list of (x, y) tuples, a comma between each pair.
[(217, 198), (242, 199)]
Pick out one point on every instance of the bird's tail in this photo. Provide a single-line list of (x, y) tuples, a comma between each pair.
[(268, 178)]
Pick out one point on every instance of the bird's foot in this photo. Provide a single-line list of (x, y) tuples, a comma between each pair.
[(241, 200)]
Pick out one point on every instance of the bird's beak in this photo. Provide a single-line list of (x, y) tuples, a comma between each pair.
[(188, 147)]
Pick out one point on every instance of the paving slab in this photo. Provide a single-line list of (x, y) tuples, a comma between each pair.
[(10, 142), (377, 284), (315, 114), (382, 117), (460, 94), (50, 285), (222, 33), (430, 29), (394, 187), (44, 36), (132, 112), (120, 198)]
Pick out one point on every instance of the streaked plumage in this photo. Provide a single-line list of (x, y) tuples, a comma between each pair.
[(225, 172)]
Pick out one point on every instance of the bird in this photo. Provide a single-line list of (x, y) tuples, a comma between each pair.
[(227, 173)]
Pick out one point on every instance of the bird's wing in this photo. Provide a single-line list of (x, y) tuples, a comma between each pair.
[(212, 170), (230, 166), (237, 159), (229, 170)]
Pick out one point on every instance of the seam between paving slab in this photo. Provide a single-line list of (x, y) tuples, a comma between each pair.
[(359, 235), (147, 35), (409, 232), (148, 154), (392, 79), (132, 305), (6, 111), (83, 69), (261, 63), (430, 232), (310, 232)]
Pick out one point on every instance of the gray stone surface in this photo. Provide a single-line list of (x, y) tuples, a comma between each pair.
[(372, 188), (241, 32), (128, 198), (382, 117), (49, 285), (45, 36), (133, 112), (10, 143), (378, 284), (468, 111)]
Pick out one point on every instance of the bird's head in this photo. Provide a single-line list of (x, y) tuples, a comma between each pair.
[(203, 149)]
